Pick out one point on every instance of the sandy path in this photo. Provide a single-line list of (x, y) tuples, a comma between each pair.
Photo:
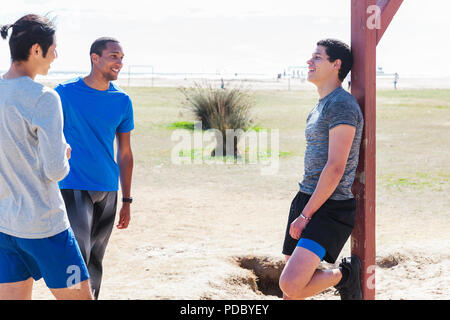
[(191, 225)]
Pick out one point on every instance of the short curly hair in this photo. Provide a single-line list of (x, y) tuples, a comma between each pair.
[(337, 49)]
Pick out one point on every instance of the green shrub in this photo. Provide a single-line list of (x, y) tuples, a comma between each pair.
[(221, 109)]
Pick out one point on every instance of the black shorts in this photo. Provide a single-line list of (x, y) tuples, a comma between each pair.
[(330, 226)]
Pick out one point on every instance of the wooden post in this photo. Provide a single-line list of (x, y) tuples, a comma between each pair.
[(366, 32), (364, 90)]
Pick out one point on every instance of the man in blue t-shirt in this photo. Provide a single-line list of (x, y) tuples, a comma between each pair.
[(96, 112)]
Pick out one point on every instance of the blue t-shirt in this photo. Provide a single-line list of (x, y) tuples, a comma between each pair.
[(91, 120)]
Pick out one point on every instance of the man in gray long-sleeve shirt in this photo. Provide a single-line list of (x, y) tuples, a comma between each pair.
[(33, 160), (36, 240)]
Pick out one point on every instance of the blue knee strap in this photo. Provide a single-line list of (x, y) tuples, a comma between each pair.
[(312, 246)]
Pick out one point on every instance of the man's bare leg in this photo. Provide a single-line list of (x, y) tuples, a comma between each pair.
[(80, 291), (16, 290), (285, 297), (301, 279)]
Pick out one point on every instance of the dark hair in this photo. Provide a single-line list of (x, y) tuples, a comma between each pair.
[(26, 32), (100, 44), (337, 49)]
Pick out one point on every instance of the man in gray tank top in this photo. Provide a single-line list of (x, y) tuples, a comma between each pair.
[(322, 214)]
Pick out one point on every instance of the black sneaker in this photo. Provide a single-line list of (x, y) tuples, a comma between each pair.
[(350, 288)]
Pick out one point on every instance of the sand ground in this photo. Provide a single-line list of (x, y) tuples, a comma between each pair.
[(189, 237)]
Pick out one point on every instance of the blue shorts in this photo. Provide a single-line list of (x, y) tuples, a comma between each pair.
[(57, 259)]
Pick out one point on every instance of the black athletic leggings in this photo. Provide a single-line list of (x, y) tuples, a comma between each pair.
[(91, 215)]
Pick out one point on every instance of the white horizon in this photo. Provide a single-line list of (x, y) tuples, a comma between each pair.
[(234, 36)]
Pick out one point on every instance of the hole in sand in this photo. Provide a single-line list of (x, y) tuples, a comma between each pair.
[(390, 261), (267, 272)]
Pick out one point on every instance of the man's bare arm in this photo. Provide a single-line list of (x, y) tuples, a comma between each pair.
[(339, 145), (125, 162)]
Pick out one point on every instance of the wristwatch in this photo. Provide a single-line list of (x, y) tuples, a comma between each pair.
[(129, 200)]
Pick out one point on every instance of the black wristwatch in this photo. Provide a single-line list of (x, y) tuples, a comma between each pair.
[(129, 200)]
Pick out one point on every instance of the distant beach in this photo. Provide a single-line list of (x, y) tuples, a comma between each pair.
[(247, 80)]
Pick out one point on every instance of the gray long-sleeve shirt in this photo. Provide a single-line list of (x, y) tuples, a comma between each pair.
[(32, 160)]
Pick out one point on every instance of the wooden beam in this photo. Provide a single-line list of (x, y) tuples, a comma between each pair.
[(363, 42), (388, 9)]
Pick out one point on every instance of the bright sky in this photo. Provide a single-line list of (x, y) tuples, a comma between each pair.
[(263, 36)]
